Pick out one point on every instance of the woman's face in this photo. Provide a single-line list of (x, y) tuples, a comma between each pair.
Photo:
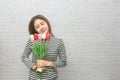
[(41, 26)]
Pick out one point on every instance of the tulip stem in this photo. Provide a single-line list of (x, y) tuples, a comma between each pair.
[(40, 76)]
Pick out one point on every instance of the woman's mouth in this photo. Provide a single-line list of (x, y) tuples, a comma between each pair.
[(42, 31)]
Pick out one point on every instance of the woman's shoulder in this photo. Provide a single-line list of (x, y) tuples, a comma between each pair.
[(58, 40), (29, 41)]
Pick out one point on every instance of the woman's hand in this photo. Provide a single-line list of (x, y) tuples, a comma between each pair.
[(41, 63)]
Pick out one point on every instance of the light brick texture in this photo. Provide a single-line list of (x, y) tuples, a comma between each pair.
[(90, 30)]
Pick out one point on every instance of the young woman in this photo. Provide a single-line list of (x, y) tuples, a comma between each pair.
[(54, 58)]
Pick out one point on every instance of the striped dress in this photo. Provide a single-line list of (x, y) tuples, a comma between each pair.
[(56, 54)]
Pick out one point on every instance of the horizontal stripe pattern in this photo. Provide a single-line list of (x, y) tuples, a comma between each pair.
[(56, 54)]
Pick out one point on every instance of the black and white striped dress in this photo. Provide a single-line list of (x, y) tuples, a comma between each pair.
[(56, 54)]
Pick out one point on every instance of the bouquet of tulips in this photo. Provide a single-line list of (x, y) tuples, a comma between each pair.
[(39, 48)]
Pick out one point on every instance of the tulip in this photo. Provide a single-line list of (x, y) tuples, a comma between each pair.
[(43, 36), (48, 37), (31, 37), (35, 36), (39, 36)]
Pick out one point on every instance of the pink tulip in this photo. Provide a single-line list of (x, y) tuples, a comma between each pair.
[(39, 36)]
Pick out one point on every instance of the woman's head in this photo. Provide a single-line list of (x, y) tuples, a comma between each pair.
[(39, 24)]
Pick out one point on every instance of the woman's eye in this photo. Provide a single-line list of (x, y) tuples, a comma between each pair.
[(42, 23), (37, 27)]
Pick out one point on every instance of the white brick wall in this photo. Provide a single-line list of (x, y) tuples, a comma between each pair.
[(89, 28)]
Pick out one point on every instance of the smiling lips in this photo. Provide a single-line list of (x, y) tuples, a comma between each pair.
[(42, 30)]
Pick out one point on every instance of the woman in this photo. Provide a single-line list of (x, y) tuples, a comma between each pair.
[(54, 58)]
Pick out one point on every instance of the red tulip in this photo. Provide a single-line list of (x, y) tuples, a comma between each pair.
[(48, 37), (35, 36)]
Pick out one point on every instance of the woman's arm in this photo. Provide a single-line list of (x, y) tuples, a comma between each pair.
[(62, 62), (25, 56)]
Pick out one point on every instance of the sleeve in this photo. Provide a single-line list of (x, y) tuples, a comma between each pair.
[(25, 56), (62, 61)]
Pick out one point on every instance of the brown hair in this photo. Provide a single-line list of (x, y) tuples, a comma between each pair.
[(31, 24)]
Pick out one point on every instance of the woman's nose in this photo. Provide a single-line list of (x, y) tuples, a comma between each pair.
[(41, 27)]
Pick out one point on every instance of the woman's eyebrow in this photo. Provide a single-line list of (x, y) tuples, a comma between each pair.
[(41, 22), (36, 25)]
